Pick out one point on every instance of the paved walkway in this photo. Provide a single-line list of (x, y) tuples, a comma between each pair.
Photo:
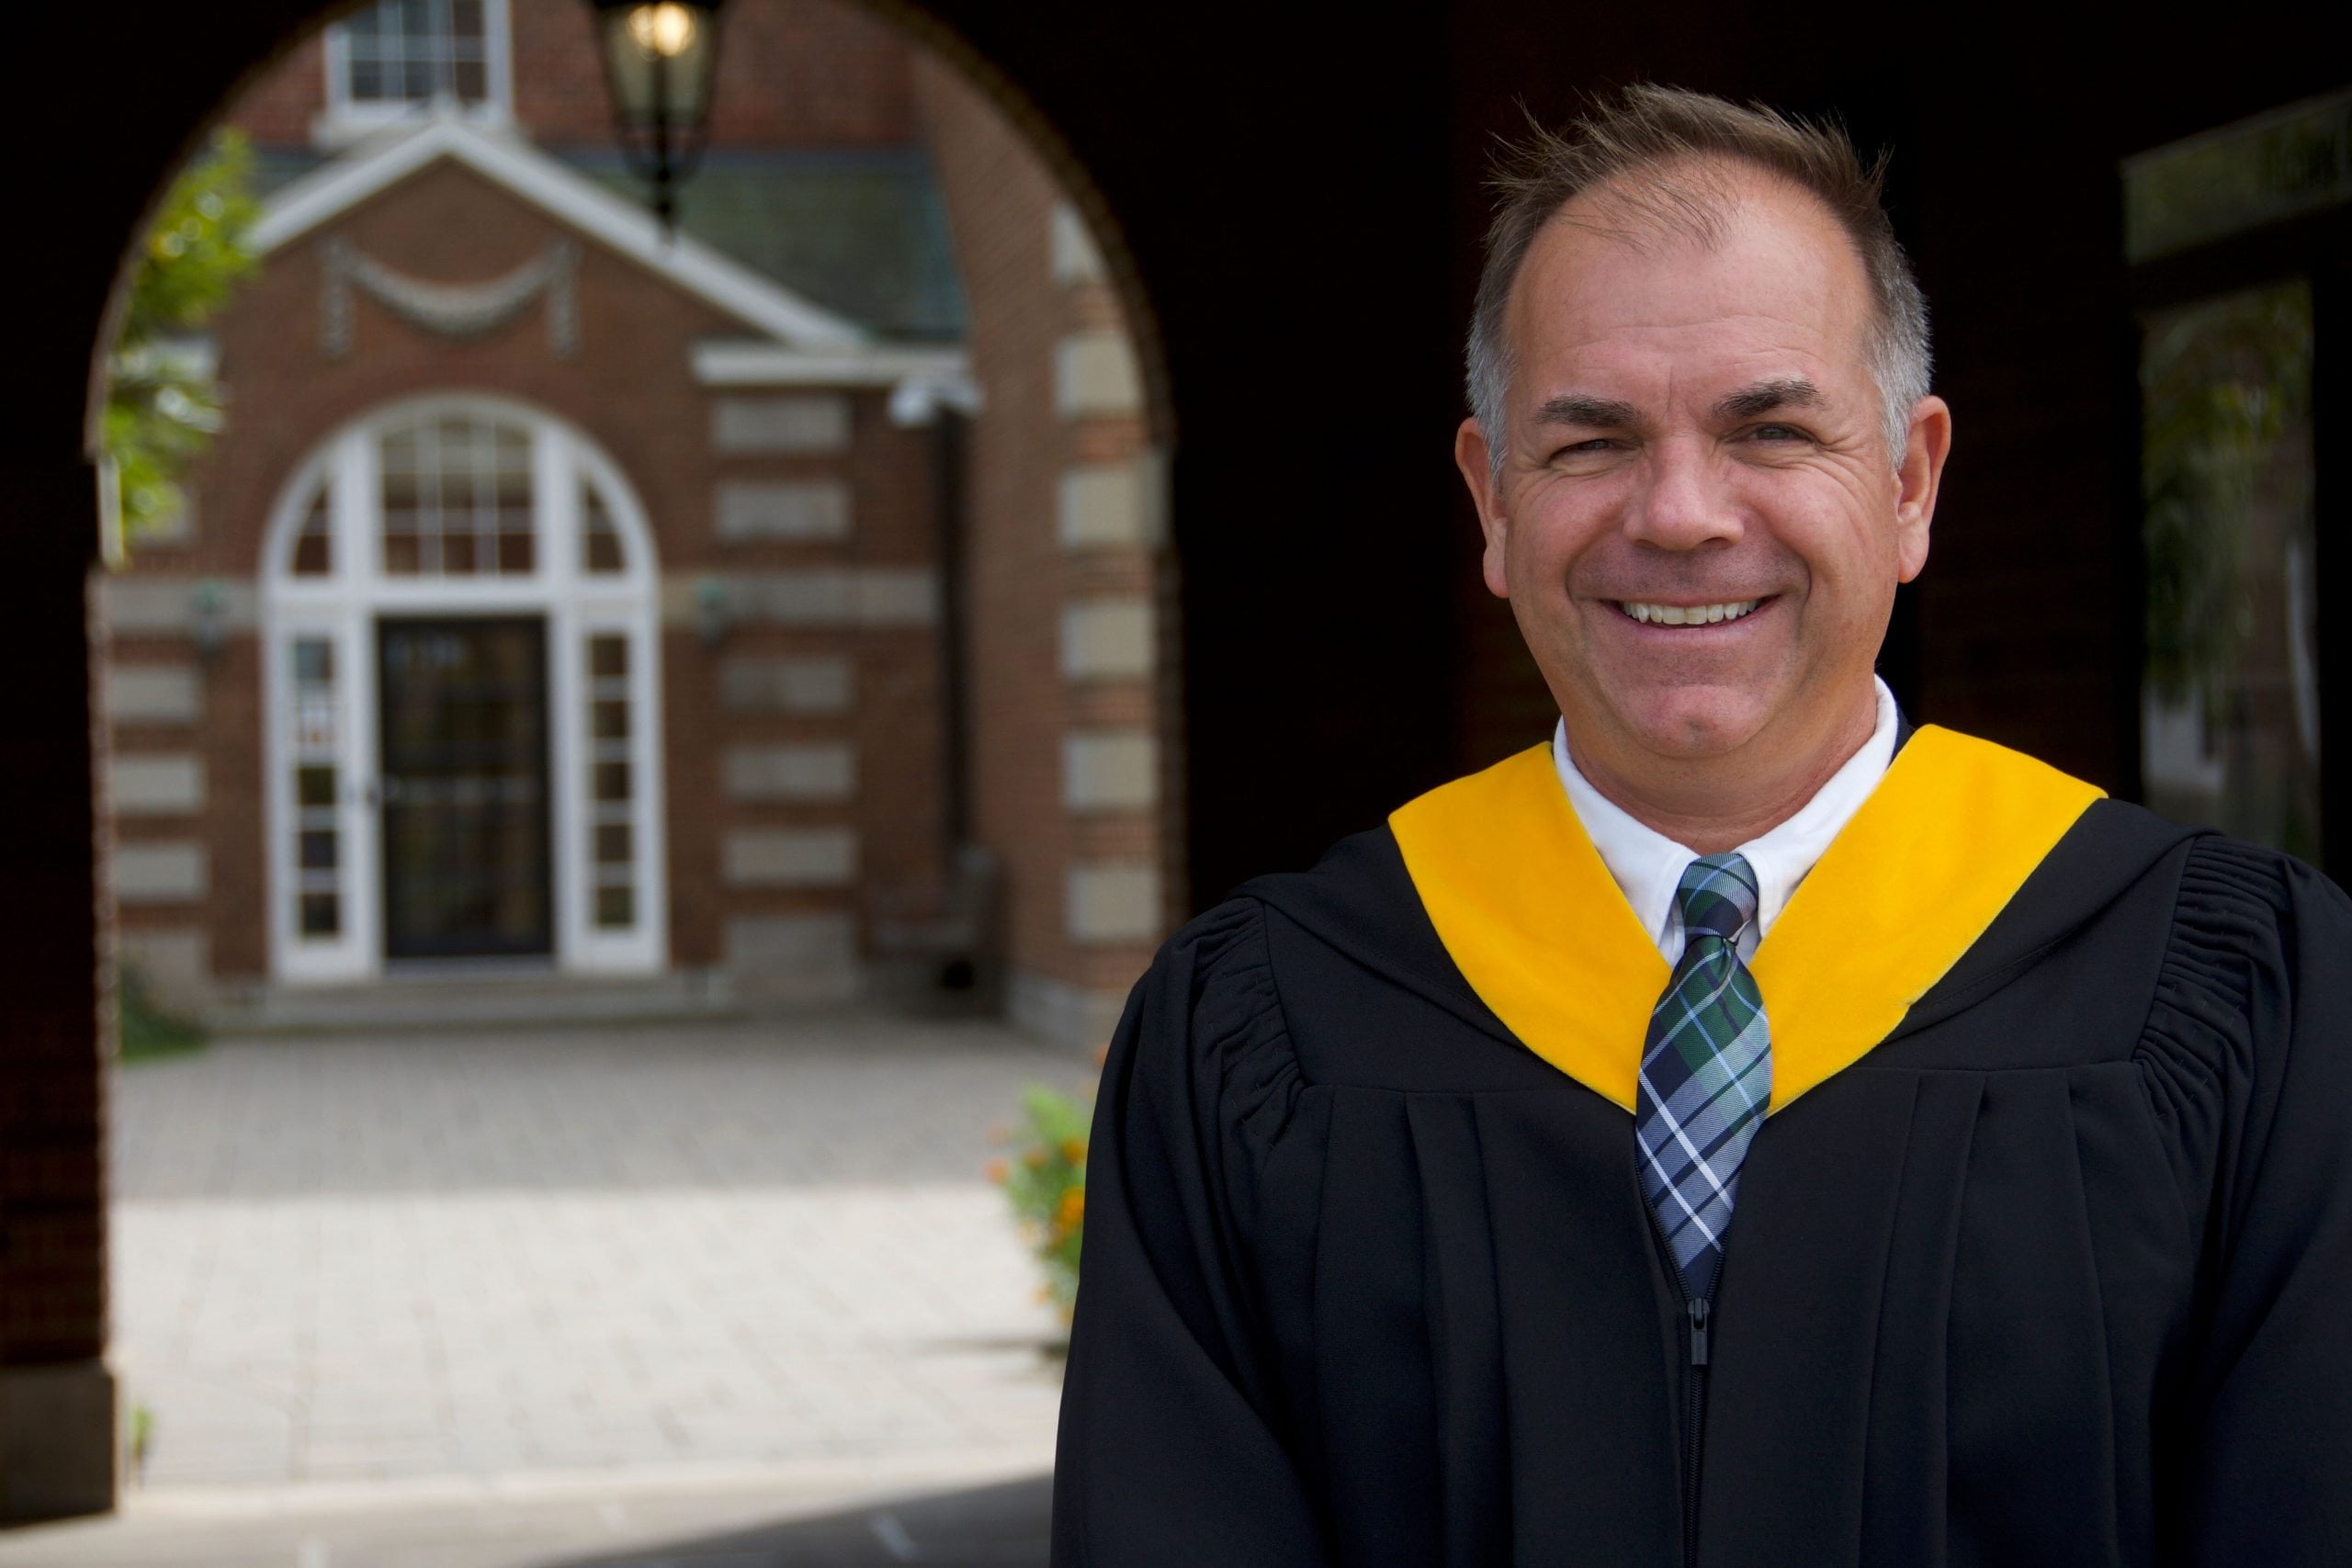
[(622, 1251)]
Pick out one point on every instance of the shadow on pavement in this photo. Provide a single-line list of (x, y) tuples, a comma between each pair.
[(1005, 1526)]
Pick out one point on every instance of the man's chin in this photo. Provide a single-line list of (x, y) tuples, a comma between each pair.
[(1697, 728)]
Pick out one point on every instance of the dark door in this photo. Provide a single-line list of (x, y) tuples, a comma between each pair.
[(465, 788)]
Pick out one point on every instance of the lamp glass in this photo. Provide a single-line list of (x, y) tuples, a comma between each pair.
[(660, 57)]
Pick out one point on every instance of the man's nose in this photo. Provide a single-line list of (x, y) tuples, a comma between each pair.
[(1683, 501)]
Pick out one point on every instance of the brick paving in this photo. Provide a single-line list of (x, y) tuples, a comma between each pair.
[(604, 1250)]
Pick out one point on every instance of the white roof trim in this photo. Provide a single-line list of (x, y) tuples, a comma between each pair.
[(572, 198), (735, 363)]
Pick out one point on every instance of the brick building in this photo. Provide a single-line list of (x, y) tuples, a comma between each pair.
[(766, 613)]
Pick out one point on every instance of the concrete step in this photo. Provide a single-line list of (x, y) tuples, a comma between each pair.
[(459, 995)]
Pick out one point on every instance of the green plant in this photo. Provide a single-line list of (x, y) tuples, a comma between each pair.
[(163, 406), (146, 1029), (1045, 1180), (142, 1437)]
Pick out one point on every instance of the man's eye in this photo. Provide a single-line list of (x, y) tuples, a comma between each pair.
[(1598, 444), (1777, 433)]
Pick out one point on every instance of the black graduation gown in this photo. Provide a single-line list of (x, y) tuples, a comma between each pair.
[(2056, 1273)]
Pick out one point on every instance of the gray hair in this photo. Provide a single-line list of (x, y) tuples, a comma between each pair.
[(1640, 133)]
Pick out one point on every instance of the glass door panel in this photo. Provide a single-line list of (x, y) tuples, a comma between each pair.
[(465, 788)]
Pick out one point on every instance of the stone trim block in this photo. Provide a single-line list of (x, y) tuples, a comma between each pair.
[(1095, 374), (172, 872), (793, 424), (807, 771), (1106, 506), (817, 685), (154, 694), (822, 596), (1113, 902), (1076, 257), (155, 784), (1110, 770), (789, 857), (789, 509), (151, 604), (1106, 639)]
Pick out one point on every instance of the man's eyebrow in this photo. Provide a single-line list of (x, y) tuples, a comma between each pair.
[(1768, 396), (1596, 413)]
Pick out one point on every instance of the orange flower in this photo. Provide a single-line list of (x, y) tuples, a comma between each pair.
[(1074, 1151), (1073, 1208), (996, 1170), (1033, 1159)]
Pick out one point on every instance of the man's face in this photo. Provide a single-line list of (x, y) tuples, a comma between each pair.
[(1698, 522)]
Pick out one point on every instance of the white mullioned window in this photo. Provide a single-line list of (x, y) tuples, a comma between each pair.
[(460, 532), (399, 58)]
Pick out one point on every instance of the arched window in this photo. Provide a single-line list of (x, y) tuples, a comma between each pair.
[(463, 727)]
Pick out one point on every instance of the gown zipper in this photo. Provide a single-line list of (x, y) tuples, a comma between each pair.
[(1698, 1312), (1694, 1408)]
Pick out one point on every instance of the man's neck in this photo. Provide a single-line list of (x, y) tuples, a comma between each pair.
[(1716, 804)]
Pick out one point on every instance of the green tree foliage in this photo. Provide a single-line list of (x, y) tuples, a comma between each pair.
[(163, 407)]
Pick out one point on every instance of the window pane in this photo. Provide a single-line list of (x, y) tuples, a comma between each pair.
[(318, 849), (609, 719), (320, 914), (313, 661), (2230, 692), (612, 846), (616, 906), (600, 538), (608, 656), (314, 785), (611, 781), (456, 499)]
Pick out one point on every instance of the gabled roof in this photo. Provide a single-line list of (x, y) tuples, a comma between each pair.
[(571, 198)]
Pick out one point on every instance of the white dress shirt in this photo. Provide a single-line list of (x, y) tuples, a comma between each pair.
[(1648, 866)]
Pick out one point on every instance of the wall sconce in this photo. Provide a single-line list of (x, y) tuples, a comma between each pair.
[(208, 617), (714, 615), (660, 61)]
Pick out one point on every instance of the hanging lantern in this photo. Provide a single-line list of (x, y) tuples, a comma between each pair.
[(659, 61)]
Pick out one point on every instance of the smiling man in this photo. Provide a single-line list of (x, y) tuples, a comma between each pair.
[(1746, 1130)]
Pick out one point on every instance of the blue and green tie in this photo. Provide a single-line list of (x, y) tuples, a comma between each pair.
[(1706, 1072)]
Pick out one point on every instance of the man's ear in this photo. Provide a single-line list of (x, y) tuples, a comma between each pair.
[(1916, 480), (1471, 456)]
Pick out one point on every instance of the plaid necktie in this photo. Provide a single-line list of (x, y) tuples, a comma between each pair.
[(1706, 1072)]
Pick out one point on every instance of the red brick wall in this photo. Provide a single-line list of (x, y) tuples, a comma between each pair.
[(804, 74), (1001, 200)]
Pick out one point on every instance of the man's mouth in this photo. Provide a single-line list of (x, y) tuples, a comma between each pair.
[(1687, 614)]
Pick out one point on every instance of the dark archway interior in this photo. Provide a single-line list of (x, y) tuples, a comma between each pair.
[(1300, 191)]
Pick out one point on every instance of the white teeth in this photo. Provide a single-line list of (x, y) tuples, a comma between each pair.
[(1687, 614)]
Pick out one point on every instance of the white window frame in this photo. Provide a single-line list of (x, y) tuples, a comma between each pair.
[(348, 119), (345, 605)]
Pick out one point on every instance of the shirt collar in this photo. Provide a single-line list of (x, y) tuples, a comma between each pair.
[(1648, 866)]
